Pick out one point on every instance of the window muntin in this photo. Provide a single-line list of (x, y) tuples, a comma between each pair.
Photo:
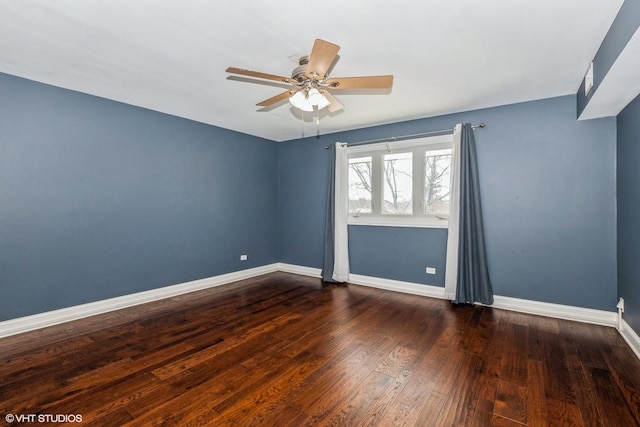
[(403, 183)]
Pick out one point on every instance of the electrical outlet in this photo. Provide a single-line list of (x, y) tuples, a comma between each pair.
[(243, 257), (431, 270)]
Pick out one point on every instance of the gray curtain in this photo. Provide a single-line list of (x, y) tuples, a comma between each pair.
[(473, 283), (330, 221)]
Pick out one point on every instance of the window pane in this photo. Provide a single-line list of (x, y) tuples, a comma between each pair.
[(436, 182), (398, 184), (360, 185)]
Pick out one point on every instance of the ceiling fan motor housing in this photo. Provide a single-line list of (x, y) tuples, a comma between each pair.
[(299, 72)]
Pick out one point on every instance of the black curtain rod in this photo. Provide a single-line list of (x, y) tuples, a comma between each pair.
[(415, 135)]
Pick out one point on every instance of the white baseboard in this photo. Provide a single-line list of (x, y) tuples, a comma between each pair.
[(631, 337), (50, 318), (299, 269), (374, 282), (559, 311), (579, 314), (397, 286), (37, 321)]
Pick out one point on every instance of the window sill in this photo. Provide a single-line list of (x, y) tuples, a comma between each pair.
[(399, 222)]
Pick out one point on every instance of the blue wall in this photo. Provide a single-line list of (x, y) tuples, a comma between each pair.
[(628, 209), (99, 199), (548, 188)]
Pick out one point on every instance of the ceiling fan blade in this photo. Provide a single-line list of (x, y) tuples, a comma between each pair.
[(322, 56), (260, 82), (276, 99), (365, 82), (335, 104), (259, 75)]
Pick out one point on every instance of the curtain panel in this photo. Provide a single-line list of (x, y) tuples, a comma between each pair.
[(467, 274), (336, 241)]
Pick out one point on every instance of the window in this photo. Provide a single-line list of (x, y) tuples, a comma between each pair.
[(402, 183)]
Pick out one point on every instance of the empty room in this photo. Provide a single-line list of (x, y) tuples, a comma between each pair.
[(265, 213)]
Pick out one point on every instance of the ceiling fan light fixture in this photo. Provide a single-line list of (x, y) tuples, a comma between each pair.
[(314, 96), (318, 99), (306, 100), (324, 102), (300, 101)]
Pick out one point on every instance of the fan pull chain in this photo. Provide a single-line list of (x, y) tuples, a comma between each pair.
[(317, 124), (302, 122)]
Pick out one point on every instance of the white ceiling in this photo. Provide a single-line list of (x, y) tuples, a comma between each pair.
[(168, 55)]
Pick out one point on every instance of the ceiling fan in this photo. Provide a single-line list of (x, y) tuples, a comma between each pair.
[(310, 83)]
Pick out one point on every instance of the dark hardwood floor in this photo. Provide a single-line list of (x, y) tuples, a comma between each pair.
[(282, 350)]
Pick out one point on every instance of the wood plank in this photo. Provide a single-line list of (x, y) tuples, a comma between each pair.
[(462, 398), (513, 360), (511, 402), (610, 401), (282, 349), (334, 385), (487, 384), (536, 403), (620, 362), (557, 384), (561, 413), (406, 406), (352, 409), (583, 389), (395, 361)]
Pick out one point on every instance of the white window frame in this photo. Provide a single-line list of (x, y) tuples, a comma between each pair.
[(418, 147)]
